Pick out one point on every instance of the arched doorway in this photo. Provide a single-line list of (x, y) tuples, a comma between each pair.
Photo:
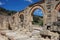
[(21, 19), (58, 7), (37, 17), (58, 13)]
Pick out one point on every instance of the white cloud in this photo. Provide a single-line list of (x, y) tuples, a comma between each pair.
[(1, 3), (29, 1)]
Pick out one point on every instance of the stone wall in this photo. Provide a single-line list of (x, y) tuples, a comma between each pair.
[(21, 22)]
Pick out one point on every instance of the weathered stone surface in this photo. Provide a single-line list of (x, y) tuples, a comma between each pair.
[(3, 37), (19, 26)]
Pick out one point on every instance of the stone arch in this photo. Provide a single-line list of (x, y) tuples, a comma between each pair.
[(21, 17), (57, 7), (33, 8)]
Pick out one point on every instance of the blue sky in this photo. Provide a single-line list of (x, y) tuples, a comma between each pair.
[(17, 5), (38, 12)]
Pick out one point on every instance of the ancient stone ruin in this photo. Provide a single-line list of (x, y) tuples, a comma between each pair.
[(19, 26)]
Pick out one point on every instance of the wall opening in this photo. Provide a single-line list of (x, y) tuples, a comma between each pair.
[(58, 14), (9, 27), (21, 17), (37, 17), (58, 7), (48, 27), (46, 36)]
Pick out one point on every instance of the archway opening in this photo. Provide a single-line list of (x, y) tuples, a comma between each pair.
[(58, 7), (21, 17), (58, 14), (37, 17)]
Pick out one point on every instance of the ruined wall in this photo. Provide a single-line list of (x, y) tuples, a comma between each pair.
[(23, 21), (14, 22)]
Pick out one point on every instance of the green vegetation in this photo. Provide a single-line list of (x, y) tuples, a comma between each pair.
[(3, 11), (37, 20)]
